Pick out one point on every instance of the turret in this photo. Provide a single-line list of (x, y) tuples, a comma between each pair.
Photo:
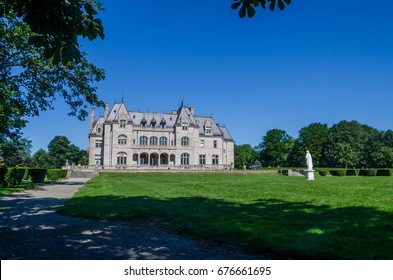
[(106, 111)]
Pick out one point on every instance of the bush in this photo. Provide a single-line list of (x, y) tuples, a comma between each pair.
[(3, 171), (338, 172), (352, 172), (384, 172), (56, 174), (323, 172), (26, 175), (37, 175), (13, 177), (368, 172)]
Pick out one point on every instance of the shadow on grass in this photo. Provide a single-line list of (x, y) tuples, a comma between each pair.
[(286, 229)]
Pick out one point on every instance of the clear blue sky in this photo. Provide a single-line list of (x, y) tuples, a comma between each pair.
[(317, 61)]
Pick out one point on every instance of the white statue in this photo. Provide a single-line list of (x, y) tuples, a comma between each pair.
[(309, 161)]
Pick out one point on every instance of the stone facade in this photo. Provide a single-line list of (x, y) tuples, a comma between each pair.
[(123, 139)]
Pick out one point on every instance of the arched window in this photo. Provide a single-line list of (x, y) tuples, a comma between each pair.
[(163, 141), (185, 141), (185, 159), (122, 158), (122, 140), (153, 141), (143, 140)]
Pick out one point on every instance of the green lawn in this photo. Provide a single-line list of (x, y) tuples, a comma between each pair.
[(329, 218)]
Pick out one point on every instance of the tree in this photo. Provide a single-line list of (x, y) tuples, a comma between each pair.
[(245, 155), (313, 138), (57, 25), (16, 153), (41, 159), (348, 144), (275, 147), (247, 7), (29, 82)]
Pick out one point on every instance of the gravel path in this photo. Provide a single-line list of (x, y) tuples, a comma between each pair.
[(30, 228)]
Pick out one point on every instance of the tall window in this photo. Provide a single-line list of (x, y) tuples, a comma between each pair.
[(123, 123), (143, 140), (163, 141), (215, 144), (153, 141), (122, 158), (215, 160), (185, 159), (202, 159), (98, 143), (185, 141), (122, 140), (202, 143), (97, 159)]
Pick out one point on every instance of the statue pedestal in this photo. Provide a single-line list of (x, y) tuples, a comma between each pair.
[(310, 175)]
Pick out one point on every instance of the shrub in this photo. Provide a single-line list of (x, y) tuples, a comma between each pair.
[(384, 172), (56, 174), (323, 172), (37, 175), (368, 172), (13, 177), (26, 175), (3, 171), (352, 172), (338, 172)]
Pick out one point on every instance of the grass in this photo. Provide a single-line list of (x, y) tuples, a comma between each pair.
[(329, 218)]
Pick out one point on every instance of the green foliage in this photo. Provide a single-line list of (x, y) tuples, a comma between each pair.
[(245, 155), (13, 177), (3, 171), (352, 172), (323, 172), (56, 174), (247, 7), (57, 25), (385, 172), (37, 175), (275, 147), (367, 172), (337, 172)]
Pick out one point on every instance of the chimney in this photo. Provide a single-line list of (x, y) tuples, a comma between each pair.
[(92, 119), (192, 109), (106, 111)]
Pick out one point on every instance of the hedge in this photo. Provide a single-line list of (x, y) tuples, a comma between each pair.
[(323, 172), (368, 172), (384, 172), (56, 174), (338, 172), (13, 177), (3, 171), (37, 175), (352, 172)]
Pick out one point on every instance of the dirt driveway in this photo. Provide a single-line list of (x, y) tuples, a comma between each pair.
[(30, 228)]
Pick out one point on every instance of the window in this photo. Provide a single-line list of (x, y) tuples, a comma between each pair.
[(215, 160), (208, 130), (153, 141), (202, 143), (143, 140), (185, 141), (97, 159), (185, 159), (215, 144), (122, 158), (99, 130), (123, 123), (202, 159), (185, 125), (122, 140), (98, 143), (163, 141)]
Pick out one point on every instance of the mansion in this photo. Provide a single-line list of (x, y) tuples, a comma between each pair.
[(126, 139)]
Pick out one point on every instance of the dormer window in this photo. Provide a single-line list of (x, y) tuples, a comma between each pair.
[(123, 123), (143, 122), (99, 130), (184, 125), (208, 127), (153, 122), (163, 123)]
